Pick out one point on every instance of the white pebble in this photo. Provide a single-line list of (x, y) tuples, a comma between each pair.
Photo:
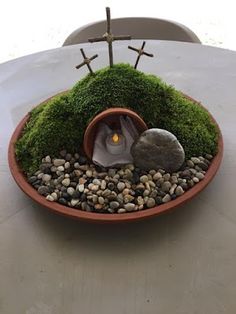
[(46, 177), (80, 187), (48, 159), (166, 198), (144, 179), (60, 168), (121, 211), (50, 198), (179, 190), (70, 190), (54, 195), (58, 162), (74, 202), (67, 165), (66, 182)]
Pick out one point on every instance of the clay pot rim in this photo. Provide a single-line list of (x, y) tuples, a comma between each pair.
[(103, 115), (55, 207)]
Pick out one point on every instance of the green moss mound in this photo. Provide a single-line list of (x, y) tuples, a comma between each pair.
[(60, 123)]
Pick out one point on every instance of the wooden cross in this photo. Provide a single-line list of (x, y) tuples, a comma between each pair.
[(109, 37), (86, 61), (140, 53)]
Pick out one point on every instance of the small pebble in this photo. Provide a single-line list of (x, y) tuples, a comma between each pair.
[(121, 186), (43, 190), (166, 198), (166, 186), (195, 160), (74, 202), (199, 175), (179, 190), (129, 207), (157, 176), (101, 200), (114, 205), (151, 202), (121, 211), (48, 159), (50, 198), (66, 182), (46, 177), (60, 168), (70, 191), (58, 162), (144, 179), (195, 180), (89, 173)]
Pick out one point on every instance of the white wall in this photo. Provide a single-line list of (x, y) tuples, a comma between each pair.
[(27, 26)]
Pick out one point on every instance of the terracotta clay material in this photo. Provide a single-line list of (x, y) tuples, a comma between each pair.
[(21, 180), (111, 117)]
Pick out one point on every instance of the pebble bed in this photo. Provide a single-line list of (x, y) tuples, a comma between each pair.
[(72, 181)]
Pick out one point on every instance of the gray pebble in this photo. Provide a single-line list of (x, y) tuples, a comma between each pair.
[(66, 182), (129, 207), (89, 173), (96, 182), (172, 189), (43, 190), (144, 179), (70, 190), (74, 202), (157, 176), (54, 195), (209, 157), (199, 175), (103, 185), (67, 165), (111, 186), (179, 190), (121, 186), (166, 186), (195, 160), (114, 205), (203, 166), (151, 202), (166, 176), (121, 211), (101, 200), (166, 198), (32, 179), (190, 163), (48, 159), (58, 162), (50, 198), (46, 177), (60, 168)]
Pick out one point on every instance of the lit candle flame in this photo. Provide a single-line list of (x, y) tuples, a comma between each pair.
[(115, 138)]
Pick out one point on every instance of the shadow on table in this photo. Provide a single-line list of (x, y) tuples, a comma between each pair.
[(119, 237)]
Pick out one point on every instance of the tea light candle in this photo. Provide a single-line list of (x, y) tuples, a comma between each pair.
[(115, 143)]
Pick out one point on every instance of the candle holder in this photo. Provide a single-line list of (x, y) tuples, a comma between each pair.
[(111, 117)]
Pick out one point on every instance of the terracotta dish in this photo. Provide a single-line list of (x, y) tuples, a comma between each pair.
[(21, 180)]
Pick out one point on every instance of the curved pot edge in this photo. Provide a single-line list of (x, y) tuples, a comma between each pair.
[(108, 218)]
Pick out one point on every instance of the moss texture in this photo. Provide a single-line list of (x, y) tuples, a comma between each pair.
[(61, 122)]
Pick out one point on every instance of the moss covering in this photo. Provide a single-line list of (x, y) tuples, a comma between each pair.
[(61, 122)]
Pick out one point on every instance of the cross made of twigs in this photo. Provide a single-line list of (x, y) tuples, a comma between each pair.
[(109, 37), (86, 61), (140, 53)]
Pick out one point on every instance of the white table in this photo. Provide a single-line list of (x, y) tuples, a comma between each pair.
[(181, 263)]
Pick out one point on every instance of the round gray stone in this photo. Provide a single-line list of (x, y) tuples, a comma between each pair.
[(157, 148)]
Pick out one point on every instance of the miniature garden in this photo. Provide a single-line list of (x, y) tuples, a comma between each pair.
[(129, 169)]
